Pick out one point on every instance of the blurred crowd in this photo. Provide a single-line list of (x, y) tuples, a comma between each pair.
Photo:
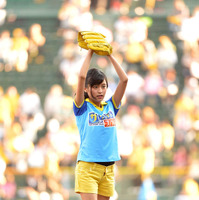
[(158, 124), (18, 48)]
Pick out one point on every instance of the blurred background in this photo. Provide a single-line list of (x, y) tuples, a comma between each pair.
[(156, 42)]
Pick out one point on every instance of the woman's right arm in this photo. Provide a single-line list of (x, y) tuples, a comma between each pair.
[(79, 98)]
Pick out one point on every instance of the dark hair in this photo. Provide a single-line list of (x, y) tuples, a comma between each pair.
[(94, 77)]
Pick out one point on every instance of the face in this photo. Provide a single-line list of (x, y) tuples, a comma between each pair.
[(97, 93)]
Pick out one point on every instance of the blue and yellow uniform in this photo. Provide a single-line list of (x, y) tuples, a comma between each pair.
[(97, 128)]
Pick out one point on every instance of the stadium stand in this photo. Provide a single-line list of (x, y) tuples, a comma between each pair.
[(170, 171)]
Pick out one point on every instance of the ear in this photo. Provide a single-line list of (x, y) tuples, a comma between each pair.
[(86, 90)]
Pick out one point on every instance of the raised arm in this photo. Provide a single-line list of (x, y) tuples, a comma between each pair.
[(79, 98), (121, 87)]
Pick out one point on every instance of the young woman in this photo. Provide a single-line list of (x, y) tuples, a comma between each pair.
[(95, 118)]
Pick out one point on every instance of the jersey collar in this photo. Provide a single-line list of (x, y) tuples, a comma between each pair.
[(103, 103)]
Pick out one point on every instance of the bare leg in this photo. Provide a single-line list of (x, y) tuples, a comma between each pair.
[(88, 196), (100, 197)]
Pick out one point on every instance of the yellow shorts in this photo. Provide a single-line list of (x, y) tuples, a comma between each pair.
[(94, 178)]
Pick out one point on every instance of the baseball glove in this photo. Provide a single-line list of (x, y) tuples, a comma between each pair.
[(95, 41)]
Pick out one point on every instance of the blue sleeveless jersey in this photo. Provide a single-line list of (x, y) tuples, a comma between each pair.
[(97, 129)]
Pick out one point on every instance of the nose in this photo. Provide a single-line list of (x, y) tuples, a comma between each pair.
[(99, 89)]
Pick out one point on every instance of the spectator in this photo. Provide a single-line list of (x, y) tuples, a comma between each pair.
[(134, 54), (134, 90), (69, 62), (67, 14), (190, 31), (189, 190), (85, 17), (37, 157), (152, 87), (37, 40), (29, 102), (179, 14), (9, 188), (122, 30), (168, 135), (13, 96), (166, 54), (183, 116), (180, 156), (150, 55), (6, 43), (147, 190), (20, 49), (142, 159), (3, 12), (132, 115), (5, 110), (53, 103)]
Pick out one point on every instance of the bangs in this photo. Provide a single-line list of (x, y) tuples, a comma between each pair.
[(95, 77)]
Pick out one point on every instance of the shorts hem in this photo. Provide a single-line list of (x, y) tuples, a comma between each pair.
[(106, 195), (78, 191)]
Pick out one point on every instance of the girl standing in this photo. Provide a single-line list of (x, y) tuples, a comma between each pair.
[(95, 118)]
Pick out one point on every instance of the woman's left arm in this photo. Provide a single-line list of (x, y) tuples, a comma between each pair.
[(121, 87)]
